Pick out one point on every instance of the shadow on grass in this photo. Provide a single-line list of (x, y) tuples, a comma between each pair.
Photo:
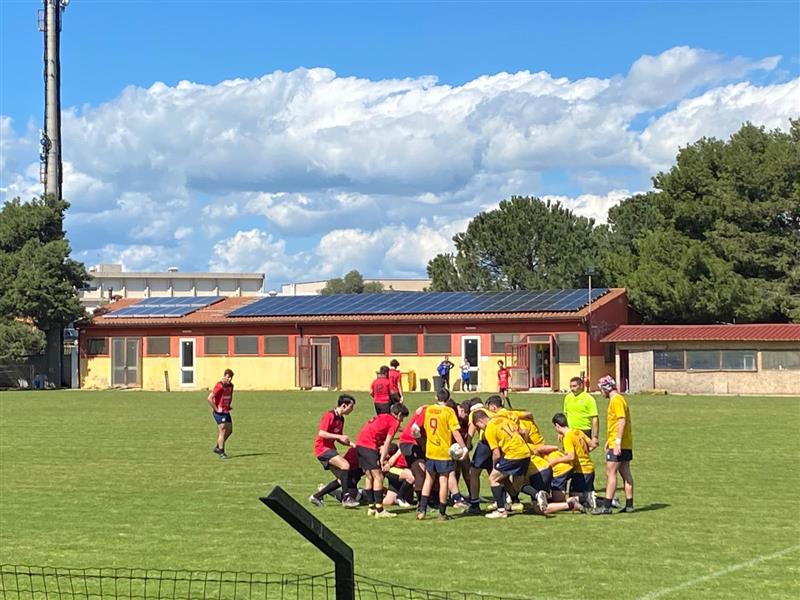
[(653, 506), (232, 456)]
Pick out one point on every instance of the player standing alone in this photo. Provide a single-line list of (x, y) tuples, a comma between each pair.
[(619, 446), (502, 380), (220, 400)]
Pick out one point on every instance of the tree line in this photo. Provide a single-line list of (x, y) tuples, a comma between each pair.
[(716, 240)]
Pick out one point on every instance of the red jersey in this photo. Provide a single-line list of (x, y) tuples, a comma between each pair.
[(223, 396), (419, 417), (375, 432), (394, 381), (502, 377), (380, 389), (351, 456), (401, 463), (331, 423)]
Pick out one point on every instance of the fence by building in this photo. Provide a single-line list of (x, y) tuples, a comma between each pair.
[(34, 583)]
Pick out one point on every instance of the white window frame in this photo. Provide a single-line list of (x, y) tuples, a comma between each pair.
[(192, 369)]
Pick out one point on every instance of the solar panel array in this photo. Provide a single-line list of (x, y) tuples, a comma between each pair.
[(405, 303), (163, 307)]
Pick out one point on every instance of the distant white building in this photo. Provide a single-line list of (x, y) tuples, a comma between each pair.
[(111, 281), (311, 288)]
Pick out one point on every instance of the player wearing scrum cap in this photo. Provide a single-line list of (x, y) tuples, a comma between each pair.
[(619, 446)]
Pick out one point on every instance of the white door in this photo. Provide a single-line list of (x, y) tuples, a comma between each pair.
[(187, 362), (471, 350)]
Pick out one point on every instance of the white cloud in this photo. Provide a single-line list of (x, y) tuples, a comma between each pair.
[(307, 174), (593, 206)]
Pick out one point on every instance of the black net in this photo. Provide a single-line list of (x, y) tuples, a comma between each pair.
[(29, 583)]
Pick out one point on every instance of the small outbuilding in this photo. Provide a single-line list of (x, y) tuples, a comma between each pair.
[(708, 359)]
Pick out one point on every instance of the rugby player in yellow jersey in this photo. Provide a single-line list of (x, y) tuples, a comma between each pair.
[(441, 427), (539, 486), (619, 446), (510, 456), (481, 459), (576, 452)]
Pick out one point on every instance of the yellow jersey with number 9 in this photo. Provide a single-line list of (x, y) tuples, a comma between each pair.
[(440, 422)]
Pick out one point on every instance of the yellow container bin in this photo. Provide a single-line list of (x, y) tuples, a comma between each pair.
[(408, 379)]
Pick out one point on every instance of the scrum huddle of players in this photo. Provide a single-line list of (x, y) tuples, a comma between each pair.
[(432, 455)]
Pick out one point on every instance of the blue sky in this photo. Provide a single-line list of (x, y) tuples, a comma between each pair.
[(388, 126)]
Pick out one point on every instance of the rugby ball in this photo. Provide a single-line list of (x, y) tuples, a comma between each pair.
[(456, 452)]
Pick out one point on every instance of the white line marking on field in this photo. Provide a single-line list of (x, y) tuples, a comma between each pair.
[(720, 573)]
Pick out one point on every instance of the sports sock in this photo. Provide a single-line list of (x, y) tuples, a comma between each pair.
[(628, 502), (607, 502), (405, 488), (333, 485), (528, 489), (458, 497), (378, 497), (443, 508), (423, 503), (370, 498), (499, 495), (475, 501)]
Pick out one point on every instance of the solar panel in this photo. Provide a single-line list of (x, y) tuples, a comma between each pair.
[(400, 303), (164, 307)]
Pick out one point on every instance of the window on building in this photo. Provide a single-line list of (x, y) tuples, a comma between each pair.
[(568, 350), (669, 360), (702, 360), (276, 344), (499, 341), (739, 360), (371, 344), (780, 360), (216, 344), (610, 352), (97, 346), (245, 344), (436, 343), (404, 344), (158, 346)]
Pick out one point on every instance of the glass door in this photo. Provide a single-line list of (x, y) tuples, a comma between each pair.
[(187, 362)]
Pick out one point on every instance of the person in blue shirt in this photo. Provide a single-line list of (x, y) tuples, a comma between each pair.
[(444, 371)]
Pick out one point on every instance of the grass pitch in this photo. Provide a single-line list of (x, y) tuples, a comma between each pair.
[(90, 479)]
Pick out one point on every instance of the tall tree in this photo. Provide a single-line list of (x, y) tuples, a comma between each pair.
[(352, 283), (732, 207), (525, 243), (38, 280)]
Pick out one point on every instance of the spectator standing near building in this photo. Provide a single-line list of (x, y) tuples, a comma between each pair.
[(444, 371)]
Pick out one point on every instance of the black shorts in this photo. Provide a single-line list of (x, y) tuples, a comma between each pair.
[(326, 457), (439, 467), (368, 459), (394, 398), (382, 408), (221, 418), (517, 466), (581, 483), (482, 457), (541, 480), (560, 483), (625, 456), (503, 390), (412, 453)]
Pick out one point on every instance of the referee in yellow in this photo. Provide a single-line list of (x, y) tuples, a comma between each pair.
[(580, 408)]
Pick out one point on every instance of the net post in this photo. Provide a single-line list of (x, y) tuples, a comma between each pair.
[(311, 528)]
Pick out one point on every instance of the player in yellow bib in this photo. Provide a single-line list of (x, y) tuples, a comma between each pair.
[(510, 456), (619, 446), (441, 427)]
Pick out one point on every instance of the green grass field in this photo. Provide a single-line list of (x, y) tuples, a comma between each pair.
[(91, 479)]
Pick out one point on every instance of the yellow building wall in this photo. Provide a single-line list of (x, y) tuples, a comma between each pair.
[(95, 372), (250, 372), (565, 372)]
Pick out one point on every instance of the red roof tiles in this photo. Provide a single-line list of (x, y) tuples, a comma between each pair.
[(758, 332)]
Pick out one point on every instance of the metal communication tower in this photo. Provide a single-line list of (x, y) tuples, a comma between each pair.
[(50, 156)]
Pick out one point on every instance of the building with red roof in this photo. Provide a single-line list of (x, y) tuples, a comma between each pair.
[(708, 359)]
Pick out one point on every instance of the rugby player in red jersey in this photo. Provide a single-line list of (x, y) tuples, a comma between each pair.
[(220, 400), (380, 390), (331, 431), (395, 384), (373, 453)]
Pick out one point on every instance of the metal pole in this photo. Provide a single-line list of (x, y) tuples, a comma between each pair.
[(51, 138), (589, 337)]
